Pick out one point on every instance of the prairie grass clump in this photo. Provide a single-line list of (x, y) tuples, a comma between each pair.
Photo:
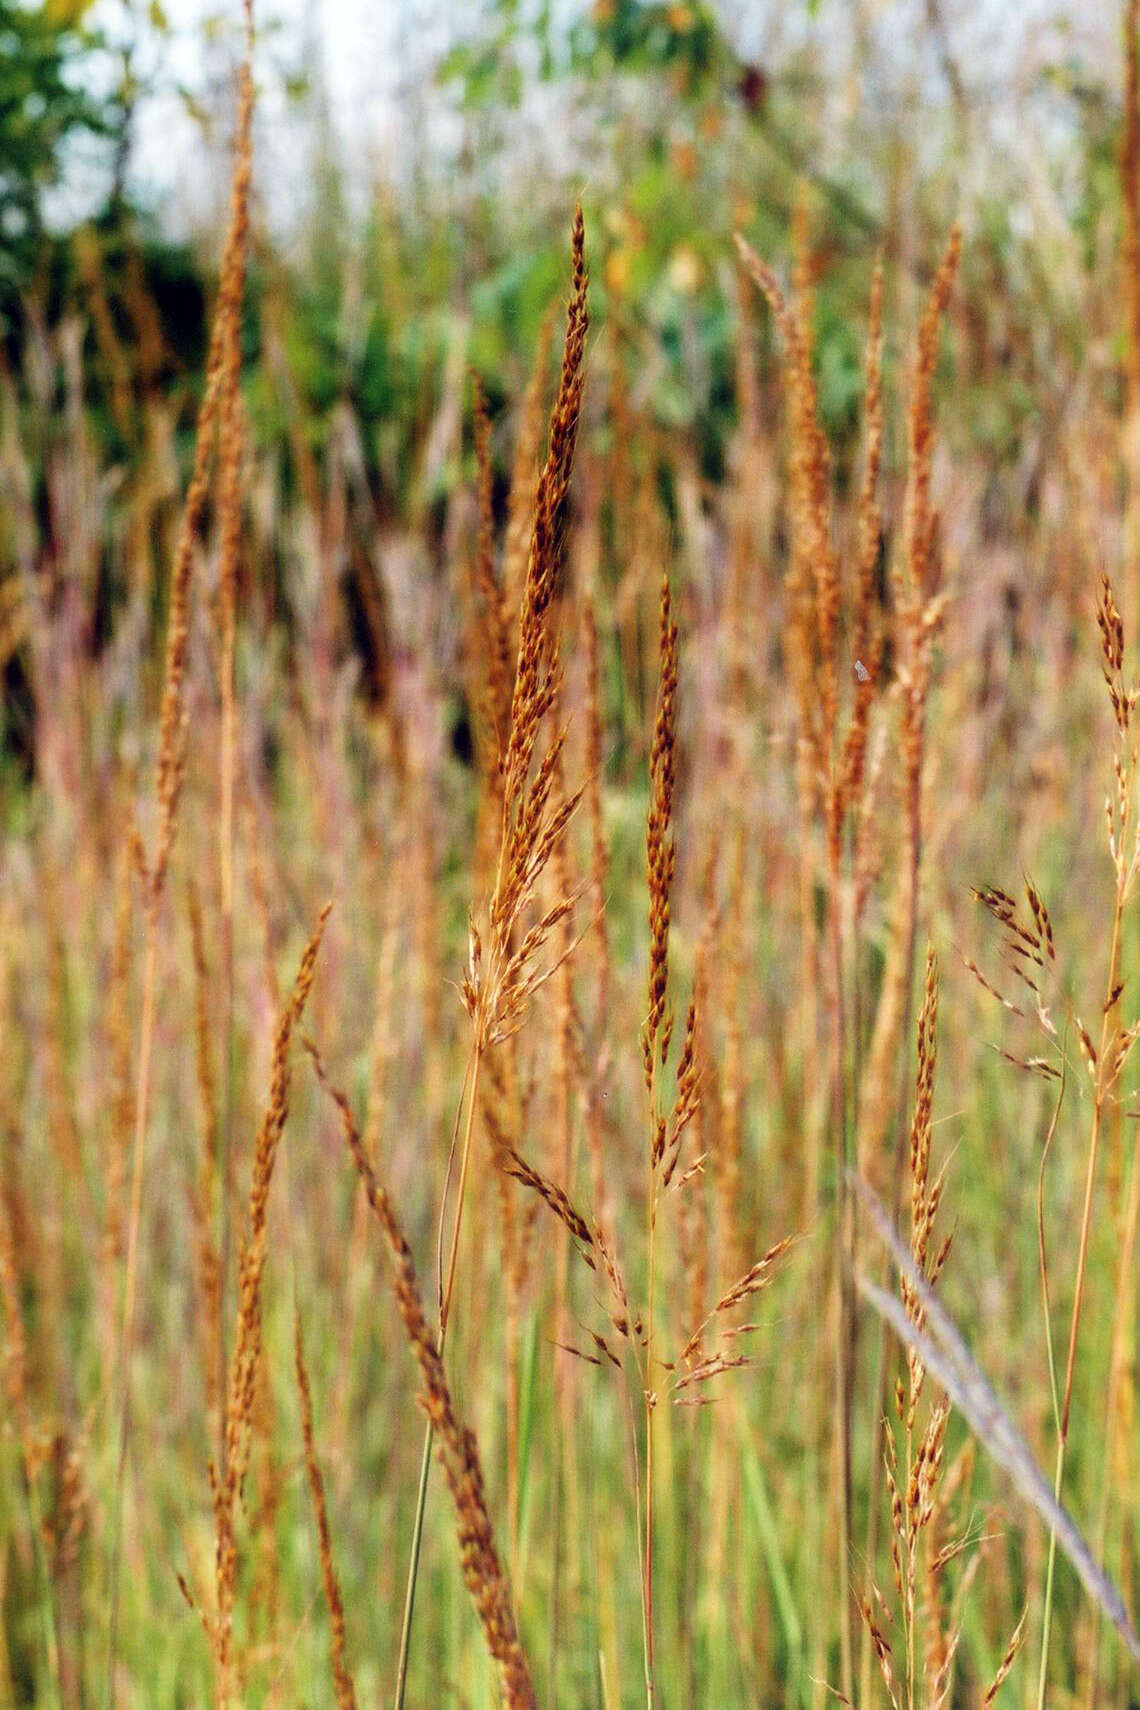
[(1030, 952), (922, 1491)]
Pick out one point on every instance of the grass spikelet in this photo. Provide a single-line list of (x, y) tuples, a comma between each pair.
[(554, 1196), (536, 669), (533, 817), (525, 468), (757, 1277), (1007, 1662), (866, 642), (661, 853)]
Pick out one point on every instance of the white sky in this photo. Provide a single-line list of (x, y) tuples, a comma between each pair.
[(354, 47), (365, 52)]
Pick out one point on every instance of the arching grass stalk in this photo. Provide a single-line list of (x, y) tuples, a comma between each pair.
[(482, 1567), (500, 981), (469, 1091), (1107, 1062), (661, 859), (169, 772)]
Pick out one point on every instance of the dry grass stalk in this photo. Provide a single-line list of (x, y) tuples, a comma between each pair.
[(555, 1197), (504, 1105), (1116, 1040), (661, 861), (246, 1355), (755, 1278), (458, 1452), (532, 825), (342, 1678), (810, 625), (203, 1194), (1029, 953), (831, 762), (525, 469), (913, 1505), (230, 493), (812, 584), (847, 792), (920, 1493), (171, 758), (141, 307), (661, 856), (666, 1127), (534, 818), (496, 697), (636, 1357), (218, 397), (747, 541), (919, 609)]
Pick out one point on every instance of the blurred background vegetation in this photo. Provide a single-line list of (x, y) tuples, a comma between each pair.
[(400, 260)]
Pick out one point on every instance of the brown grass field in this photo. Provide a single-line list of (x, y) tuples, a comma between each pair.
[(452, 1089)]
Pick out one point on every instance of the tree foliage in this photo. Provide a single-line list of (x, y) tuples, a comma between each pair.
[(45, 52)]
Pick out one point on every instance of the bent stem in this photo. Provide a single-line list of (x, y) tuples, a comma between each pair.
[(471, 1089), (413, 1569), (1109, 1028)]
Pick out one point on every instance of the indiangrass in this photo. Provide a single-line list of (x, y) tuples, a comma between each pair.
[(833, 780), (638, 788), (170, 761)]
